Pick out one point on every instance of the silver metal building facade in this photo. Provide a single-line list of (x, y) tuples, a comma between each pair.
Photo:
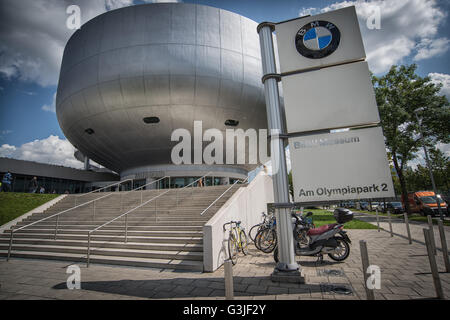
[(131, 76)]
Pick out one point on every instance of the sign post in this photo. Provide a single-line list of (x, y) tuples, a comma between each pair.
[(287, 268), (337, 150)]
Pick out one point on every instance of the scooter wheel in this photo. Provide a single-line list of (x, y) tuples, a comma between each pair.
[(341, 252)]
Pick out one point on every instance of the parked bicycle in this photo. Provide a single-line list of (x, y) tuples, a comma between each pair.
[(254, 230), (266, 237), (237, 240)]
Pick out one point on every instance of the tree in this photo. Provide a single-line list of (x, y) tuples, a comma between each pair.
[(400, 95)]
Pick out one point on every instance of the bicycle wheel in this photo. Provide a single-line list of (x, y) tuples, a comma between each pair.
[(233, 248), (244, 242), (267, 240), (253, 231), (258, 236)]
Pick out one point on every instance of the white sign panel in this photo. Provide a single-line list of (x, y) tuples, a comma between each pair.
[(319, 41), (334, 97), (340, 166)]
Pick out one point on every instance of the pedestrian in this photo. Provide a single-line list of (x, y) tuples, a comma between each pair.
[(42, 190), (34, 185), (6, 182)]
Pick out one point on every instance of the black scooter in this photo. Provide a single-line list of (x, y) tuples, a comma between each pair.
[(329, 239)]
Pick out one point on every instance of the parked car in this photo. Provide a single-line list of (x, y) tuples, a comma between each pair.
[(374, 206), (393, 207), (363, 205)]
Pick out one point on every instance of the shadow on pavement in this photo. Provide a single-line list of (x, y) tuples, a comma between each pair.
[(190, 288)]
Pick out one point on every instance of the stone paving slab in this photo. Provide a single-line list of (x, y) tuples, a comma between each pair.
[(405, 274)]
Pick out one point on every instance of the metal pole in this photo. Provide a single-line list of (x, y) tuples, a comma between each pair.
[(427, 161), (407, 227), (365, 265), (56, 227), (444, 245), (10, 244), (93, 216), (378, 220), (390, 223), (229, 291), (126, 228), (430, 226), (88, 249), (433, 265), (287, 264)]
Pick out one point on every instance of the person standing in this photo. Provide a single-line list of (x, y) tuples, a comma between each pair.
[(7, 181), (34, 185)]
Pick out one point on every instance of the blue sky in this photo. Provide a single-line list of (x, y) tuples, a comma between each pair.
[(33, 35)]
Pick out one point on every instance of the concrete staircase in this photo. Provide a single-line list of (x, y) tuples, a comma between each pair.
[(160, 233)]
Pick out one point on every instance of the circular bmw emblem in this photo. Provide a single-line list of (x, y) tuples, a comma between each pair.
[(317, 39)]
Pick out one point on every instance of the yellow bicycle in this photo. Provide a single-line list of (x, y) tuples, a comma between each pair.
[(237, 240)]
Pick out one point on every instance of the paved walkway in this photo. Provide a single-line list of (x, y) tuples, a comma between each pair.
[(405, 274), (399, 228)]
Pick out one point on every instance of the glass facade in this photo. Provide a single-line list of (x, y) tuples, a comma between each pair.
[(23, 183)]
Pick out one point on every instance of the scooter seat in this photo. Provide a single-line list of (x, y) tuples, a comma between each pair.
[(322, 229)]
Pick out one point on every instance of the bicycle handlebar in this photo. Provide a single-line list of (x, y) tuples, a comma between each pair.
[(231, 222)]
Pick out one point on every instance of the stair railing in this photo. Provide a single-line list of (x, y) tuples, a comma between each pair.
[(142, 190), (57, 218), (126, 223), (219, 197)]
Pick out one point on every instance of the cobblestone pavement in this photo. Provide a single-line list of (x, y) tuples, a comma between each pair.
[(405, 274)]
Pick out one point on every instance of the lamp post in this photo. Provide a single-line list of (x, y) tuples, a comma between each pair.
[(427, 161)]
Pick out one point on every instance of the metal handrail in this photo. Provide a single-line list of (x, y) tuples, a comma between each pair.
[(126, 223), (219, 197), (49, 217), (127, 192)]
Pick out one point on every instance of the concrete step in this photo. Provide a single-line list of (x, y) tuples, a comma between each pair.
[(62, 231), (135, 227), (141, 253), (107, 244), (100, 237), (111, 260), (169, 235), (149, 222)]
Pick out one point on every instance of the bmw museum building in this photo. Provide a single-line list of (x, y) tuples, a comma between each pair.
[(131, 76)]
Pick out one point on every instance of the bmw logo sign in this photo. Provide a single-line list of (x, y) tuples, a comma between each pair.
[(317, 39)]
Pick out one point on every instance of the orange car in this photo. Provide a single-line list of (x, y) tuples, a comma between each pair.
[(424, 202)]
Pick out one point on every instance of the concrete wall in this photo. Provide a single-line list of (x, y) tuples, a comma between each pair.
[(245, 205)]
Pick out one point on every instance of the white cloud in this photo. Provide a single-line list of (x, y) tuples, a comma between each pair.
[(407, 27), (420, 159), (431, 48), (51, 150), (116, 4), (33, 35), (52, 106), (444, 79)]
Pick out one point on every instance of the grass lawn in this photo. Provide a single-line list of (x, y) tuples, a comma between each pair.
[(412, 217), (321, 217), (13, 205)]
